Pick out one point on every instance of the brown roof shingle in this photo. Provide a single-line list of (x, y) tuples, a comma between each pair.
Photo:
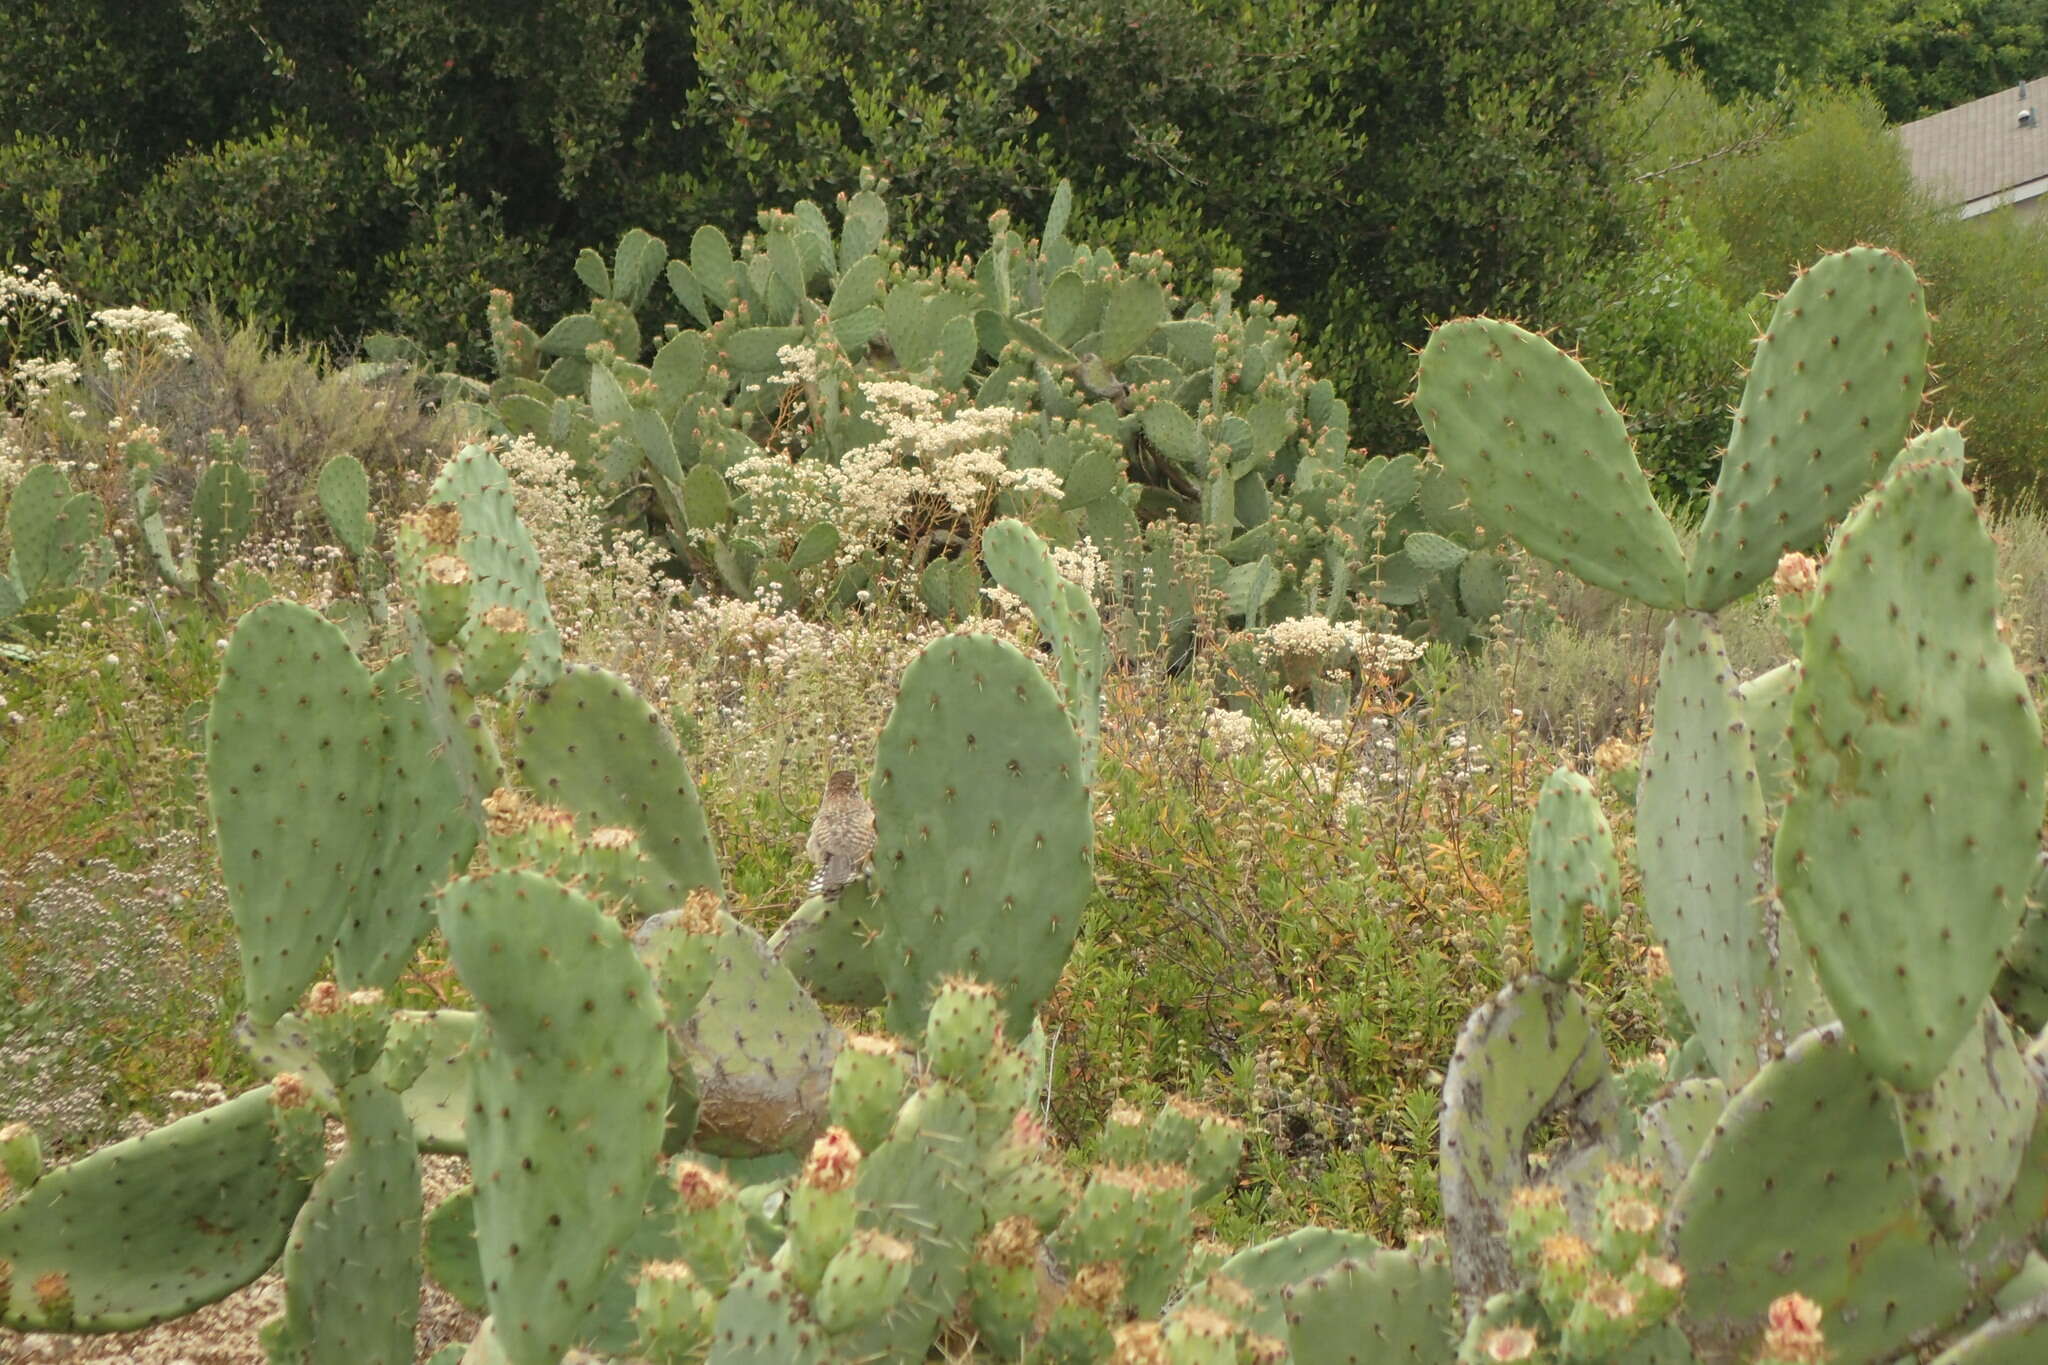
[(1980, 149)]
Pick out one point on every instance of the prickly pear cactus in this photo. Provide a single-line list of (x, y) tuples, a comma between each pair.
[(1910, 838), (567, 1122), (159, 1225), (984, 834)]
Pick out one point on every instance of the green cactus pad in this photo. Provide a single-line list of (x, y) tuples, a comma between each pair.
[(501, 555), (1271, 1268), (1545, 457), (293, 744), (1019, 560), (570, 1078), (761, 1322), (761, 1050), (48, 528), (352, 1267), (829, 945), (433, 1045), (425, 832), (1834, 385), (1942, 443), (449, 1248), (1905, 854), (1383, 1306), (920, 1187), (1675, 1128), (1529, 1054), (1806, 1184), (344, 491), (589, 743), (1700, 842), (982, 865), (1571, 867), (1765, 704), (159, 1225), (1967, 1132)]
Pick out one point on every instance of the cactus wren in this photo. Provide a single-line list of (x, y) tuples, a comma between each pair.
[(842, 836)]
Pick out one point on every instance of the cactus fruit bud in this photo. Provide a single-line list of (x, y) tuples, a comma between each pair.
[(1657, 1284), (442, 594), (1792, 1335), (1511, 1343), (674, 1313), (1008, 1083), (496, 649), (435, 529), (1628, 1230), (1535, 1213), (1023, 1179), (21, 1163), (1602, 1321), (1123, 1135), (1079, 1327), (676, 947), (869, 1078), (53, 1301), (1797, 575), (298, 1123), (1003, 1282), (1207, 1143), (710, 1225), (1202, 1336), (346, 1031), (821, 1210), (965, 1024), (1140, 1343), (863, 1281)]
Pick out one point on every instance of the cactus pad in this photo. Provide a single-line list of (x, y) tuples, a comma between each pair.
[(567, 1118), (161, 1224), (501, 554), (1383, 1306), (352, 1267), (1526, 1055), (590, 744), (1833, 387), (1806, 1184), (1700, 843), (424, 833), (1571, 868), (293, 746), (1905, 854), (761, 1051), (982, 865), (1020, 562), (829, 945), (1966, 1133), (1545, 457)]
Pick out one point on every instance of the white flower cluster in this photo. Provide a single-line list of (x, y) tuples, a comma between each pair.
[(33, 378), (1312, 637), (925, 454), (800, 365), (747, 634), (20, 291), (147, 327), (1232, 732), (1080, 564)]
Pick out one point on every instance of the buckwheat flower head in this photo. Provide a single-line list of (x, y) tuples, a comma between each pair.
[(149, 327), (1232, 732)]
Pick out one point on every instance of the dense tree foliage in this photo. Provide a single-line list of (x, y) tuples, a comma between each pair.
[(346, 167), (341, 168)]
